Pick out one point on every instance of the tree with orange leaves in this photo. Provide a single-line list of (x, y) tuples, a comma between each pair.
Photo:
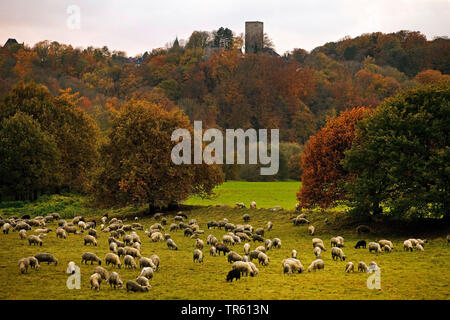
[(321, 160)]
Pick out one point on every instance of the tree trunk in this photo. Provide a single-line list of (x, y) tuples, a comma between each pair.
[(151, 207)]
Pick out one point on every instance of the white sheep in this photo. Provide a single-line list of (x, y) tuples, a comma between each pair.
[(95, 280), (407, 245), (349, 267), (317, 251), (147, 272), (213, 251), (114, 280), (263, 259), (362, 266), (276, 243), (374, 246), (294, 254), (113, 259), (253, 205), (199, 244), (90, 240), (316, 265), (246, 248), (269, 225), (171, 244), (243, 268), (337, 253), (291, 265), (311, 230), (128, 261), (198, 255)]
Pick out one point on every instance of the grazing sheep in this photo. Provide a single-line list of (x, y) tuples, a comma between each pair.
[(362, 266), (276, 243), (261, 249), (240, 205), (34, 240), (243, 235), (253, 254), (246, 217), (23, 265), (173, 227), (171, 244), (233, 274), (299, 221), (132, 252), (269, 225), (101, 271), (337, 242), (46, 257), (253, 205), (157, 236), (260, 231), (257, 237), (294, 254), (147, 272), (360, 244), (188, 232), (246, 248), (221, 247), (146, 262), (128, 261), (316, 265), (349, 267), (386, 243), (243, 267), (374, 246), (291, 265), (143, 281), (419, 247), (316, 242), (233, 256), (22, 234), (135, 287), (317, 251), (213, 251), (114, 280), (137, 245), (95, 280), (227, 239), (198, 255), (407, 245), (89, 256), (61, 233), (199, 244), (337, 253), (263, 259), (311, 230), (90, 240), (6, 227), (212, 224), (268, 244), (362, 229)]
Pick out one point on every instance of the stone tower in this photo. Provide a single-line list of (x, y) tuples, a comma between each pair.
[(254, 34)]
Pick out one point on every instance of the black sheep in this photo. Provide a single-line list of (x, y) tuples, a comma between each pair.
[(233, 274), (360, 244)]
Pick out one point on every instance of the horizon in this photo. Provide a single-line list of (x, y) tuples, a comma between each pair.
[(114, 25)]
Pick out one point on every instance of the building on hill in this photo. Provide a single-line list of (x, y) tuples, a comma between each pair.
[(254, 36), (10, 42)]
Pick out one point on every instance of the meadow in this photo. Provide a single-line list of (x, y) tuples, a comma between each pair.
[(404, 275)]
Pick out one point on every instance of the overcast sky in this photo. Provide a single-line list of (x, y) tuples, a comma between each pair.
[(139, 26)]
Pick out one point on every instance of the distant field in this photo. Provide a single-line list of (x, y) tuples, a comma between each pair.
[(265, 194)]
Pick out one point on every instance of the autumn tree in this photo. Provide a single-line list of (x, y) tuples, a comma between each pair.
[(136, 165), (323, 173), (400, 157)]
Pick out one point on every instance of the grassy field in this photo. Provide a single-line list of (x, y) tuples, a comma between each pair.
[(266, 194), (404, 275)]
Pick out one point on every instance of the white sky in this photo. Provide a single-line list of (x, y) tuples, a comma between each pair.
[(139, 26)]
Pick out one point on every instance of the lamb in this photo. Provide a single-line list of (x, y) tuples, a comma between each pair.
[(317, 251), (61, 233), (135, 287), (198, 255), (349, 267), (199, 244), (243, 267), (269, 225), (360, 244), (35, 240), (147, 272), (233, 274), (128, 261), (294, 254), (374, 246), (268, 243), (407, 245), (95, 280), (89, 256), (213, 251), (143, 281), (263, 259), (316, 265), (419, 247), (146, 262), (101, 271), (114, 280), (253, 205), (246, 217), (276, 243), (362, 266), (384, 243), (34, 263), (171, 244), (337, 253), (291, 265), (311, 230), (90, 240), (233, 256), (22, 234), (46, 257)]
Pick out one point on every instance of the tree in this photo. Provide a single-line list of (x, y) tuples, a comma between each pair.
[(136, 165), (198, 39), (323, 173), (28, 156), (431, 76), (401, 155)]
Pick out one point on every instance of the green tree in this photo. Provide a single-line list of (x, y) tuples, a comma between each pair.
[(401, 155)]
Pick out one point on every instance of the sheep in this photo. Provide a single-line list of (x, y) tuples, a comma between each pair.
[(268, 244), (269, 225), (115, 281), (362, 229), (188, 232), (362, 266), (128, 261), (243, 235), (257, 237), (34, 263), (229, 226), (349, 267), (157, 236), (171, 244), (413, 242), (260, 231), (276, 243), (233, 274), (316, 265), (291, 265), (317, 251), (243, 267), (143, 281), (42, 230), (90, 240), (137, 245), (23, 265), (101, 271), (198, 255), (253, 205), (35, 240), (299, 221), (212, 224), (61, 233), (311, 230), (419, 247), (132, 252), (199, 244), (386, 243), (227, 239), (156, 261), (164, 221), (146, 262), (173, 227), (316, 242), (261, 249), (95, 280), (221, 247), (240, 205), (233, 256), (387, 249), (337, 253), (6, 227), (263, 259), (407, 245), (253, 254), (135, 287), (22, 234), (337, 242), (46, 257), (246, 217), (147, 272), (360, 244), (89, 256), (213, 251), (374, 246)]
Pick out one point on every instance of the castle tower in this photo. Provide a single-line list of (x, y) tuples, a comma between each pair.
[(254, 34)]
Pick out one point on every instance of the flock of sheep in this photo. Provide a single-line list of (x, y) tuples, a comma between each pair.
[(125, 246)]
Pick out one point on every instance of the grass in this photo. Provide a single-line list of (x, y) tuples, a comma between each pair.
[(266, 194), (404, 275)]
